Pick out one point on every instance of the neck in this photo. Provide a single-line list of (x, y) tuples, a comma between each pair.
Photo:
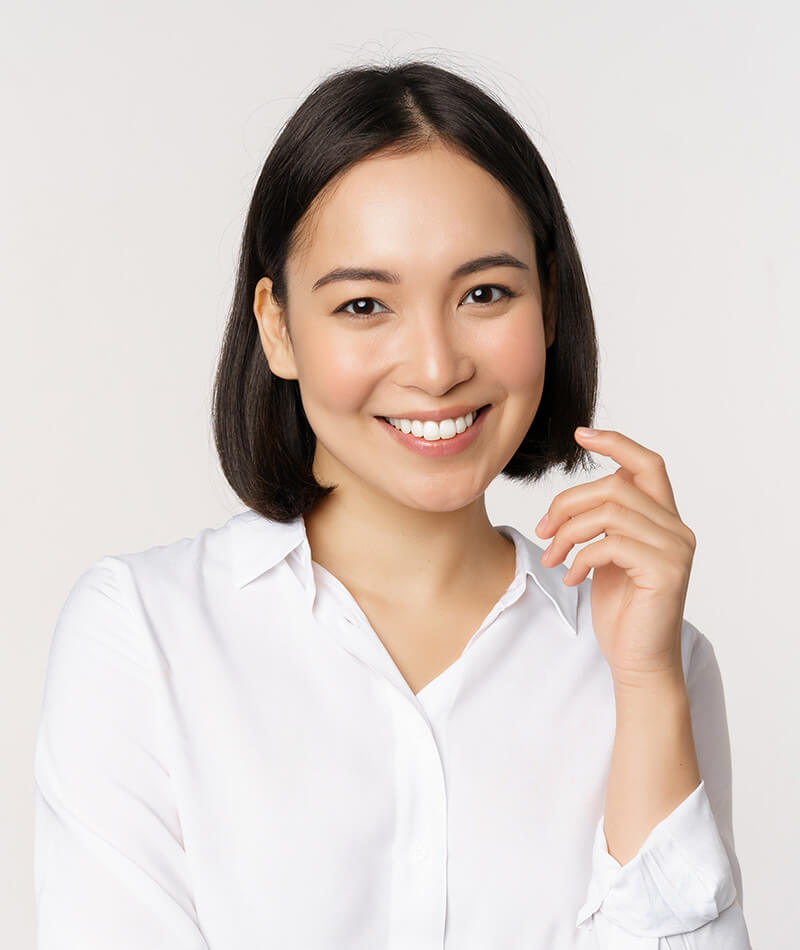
[(392, 552)]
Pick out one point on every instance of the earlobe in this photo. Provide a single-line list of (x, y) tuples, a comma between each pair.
[(273, 332)]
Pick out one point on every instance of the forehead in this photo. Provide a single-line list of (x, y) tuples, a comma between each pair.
[(424, 211)]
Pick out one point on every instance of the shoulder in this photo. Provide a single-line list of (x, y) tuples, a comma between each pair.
[(184, 565), (197, 555), (118, 594)]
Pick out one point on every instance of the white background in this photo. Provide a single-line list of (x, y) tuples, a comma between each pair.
[(133, 138)]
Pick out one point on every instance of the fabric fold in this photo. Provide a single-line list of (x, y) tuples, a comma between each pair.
[(679, 880)]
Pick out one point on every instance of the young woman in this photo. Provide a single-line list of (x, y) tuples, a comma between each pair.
[(358, 715)]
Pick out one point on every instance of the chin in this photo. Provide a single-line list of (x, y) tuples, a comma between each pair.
[(442, 499)]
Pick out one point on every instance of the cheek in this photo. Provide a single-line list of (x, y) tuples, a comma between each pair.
[(337, 374), (517, 358)]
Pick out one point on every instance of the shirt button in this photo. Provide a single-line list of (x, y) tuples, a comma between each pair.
[(418, 853)]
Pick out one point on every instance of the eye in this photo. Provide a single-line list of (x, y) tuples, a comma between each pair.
[(358, 301), (505, 293)]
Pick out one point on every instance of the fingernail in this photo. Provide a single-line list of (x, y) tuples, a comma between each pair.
[(585, 431), (542, 524)]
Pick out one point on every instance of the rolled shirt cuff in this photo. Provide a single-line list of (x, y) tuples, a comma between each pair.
[(679, 880)]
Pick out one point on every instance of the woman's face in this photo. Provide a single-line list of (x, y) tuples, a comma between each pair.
[(363, 349)]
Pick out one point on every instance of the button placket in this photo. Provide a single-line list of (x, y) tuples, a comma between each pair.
[(419, 896)]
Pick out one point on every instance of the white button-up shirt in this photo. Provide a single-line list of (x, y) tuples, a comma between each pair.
[(228, 758)]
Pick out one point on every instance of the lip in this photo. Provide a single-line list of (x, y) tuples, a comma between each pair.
[(438, 447), (436, 415)]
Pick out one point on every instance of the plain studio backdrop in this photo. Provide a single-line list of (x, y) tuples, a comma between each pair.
[(133, 136)]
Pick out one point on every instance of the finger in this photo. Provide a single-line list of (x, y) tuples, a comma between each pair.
[(611, 488), (649, 567), (614, 519), (647, 468)]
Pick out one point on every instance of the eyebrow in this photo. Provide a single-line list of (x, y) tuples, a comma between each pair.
[(389, 277)]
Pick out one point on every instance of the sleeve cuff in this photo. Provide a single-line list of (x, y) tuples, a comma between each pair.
[(679, 880)]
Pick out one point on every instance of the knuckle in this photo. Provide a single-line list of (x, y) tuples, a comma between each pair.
[(686, 535)]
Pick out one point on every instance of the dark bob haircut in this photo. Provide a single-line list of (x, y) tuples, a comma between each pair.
[(262, 435)]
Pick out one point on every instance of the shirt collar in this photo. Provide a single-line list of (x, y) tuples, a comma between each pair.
[(259, 543)]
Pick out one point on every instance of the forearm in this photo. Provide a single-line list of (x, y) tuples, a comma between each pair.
[(654, 762)]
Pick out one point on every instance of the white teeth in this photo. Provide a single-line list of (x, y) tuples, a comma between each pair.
[(431, 431)]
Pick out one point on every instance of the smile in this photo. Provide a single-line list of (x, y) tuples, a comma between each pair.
[(437, 438), (430, 430)]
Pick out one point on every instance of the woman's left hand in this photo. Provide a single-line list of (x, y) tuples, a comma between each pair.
[(641, 566)]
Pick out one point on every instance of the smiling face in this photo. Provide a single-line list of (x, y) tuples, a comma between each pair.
[(363, 349)]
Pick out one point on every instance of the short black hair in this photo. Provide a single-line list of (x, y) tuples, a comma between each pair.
[(262, 435)]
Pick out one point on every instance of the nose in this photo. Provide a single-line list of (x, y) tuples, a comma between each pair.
[(436, 354)]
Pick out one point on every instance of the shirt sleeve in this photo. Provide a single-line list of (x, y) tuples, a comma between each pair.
[(110, 869), (683, 888)]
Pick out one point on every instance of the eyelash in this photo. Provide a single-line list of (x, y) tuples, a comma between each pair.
[(506, 292)]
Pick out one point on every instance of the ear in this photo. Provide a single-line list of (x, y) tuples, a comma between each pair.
[(273, 331), (551, 315)]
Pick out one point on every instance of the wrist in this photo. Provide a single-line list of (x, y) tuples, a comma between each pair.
[(668, 682)]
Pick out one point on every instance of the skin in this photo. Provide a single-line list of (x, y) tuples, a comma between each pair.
[(428, 344), (641, 568)]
